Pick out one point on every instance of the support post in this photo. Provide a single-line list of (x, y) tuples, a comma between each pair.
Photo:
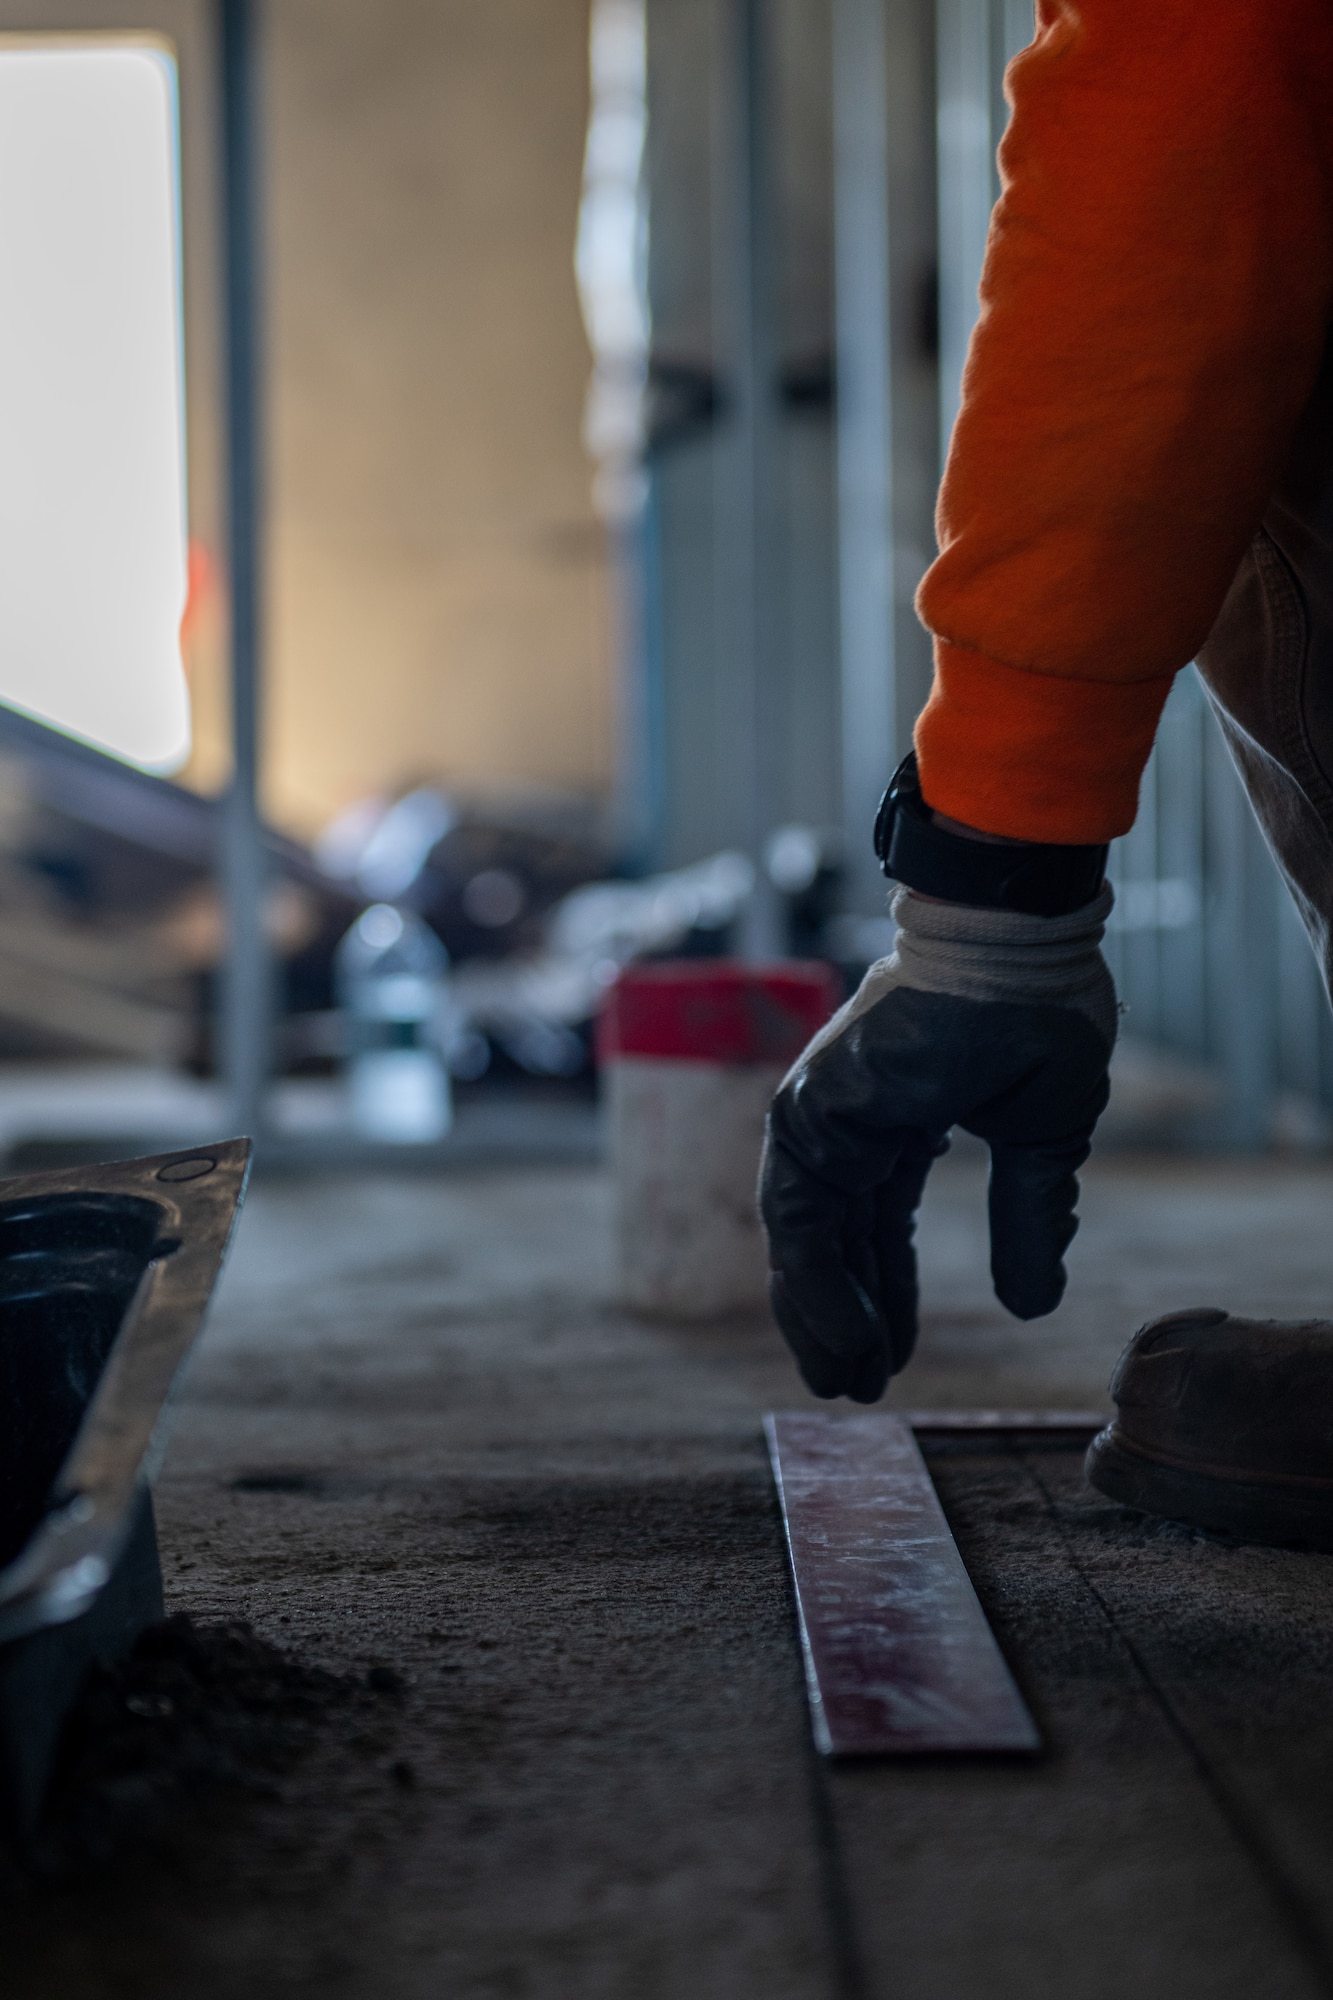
[(746, 472), (1242, 951), (966, 144), (865, 431), (245, 1012)]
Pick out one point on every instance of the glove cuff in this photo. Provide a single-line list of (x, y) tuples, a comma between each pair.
[(978, 954)]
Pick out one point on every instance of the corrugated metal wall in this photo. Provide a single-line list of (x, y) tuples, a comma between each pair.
[(747, 173), (1209, 955)]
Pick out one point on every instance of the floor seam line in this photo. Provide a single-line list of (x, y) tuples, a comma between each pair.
[(1288, 1901), (850, 1978)]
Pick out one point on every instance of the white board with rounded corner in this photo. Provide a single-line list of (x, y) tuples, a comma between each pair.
[(93, 562)]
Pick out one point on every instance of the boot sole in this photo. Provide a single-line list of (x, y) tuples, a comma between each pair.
[(1252, 1510)]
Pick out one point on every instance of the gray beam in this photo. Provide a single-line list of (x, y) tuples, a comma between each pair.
[(888, 418), (245, 1011), (966, 141), (745, 464), (865, 432)]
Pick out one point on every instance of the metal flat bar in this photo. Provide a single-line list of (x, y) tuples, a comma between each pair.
[(899, 1659), (1076, 1423)]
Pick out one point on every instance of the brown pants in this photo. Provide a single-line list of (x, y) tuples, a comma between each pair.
[(1268, 666)]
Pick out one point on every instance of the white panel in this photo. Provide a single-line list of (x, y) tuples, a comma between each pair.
[(92, 502)]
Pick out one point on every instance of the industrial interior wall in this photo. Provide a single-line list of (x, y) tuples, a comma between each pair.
[(438, 584), (436, 576), (748, 720)]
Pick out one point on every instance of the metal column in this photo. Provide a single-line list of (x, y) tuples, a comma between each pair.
[(966, 148), (974, 41), (865, 431), (1242, 936), (245, 1012), (746, 454), (888, 434)]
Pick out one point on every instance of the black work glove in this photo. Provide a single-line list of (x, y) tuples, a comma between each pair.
[(989, 1019)]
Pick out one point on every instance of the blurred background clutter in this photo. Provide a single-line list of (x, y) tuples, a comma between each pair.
[(467, 472)]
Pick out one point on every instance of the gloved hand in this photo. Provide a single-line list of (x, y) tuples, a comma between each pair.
[(990, 1019)]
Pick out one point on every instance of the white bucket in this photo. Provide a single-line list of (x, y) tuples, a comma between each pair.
[(692, 1052)]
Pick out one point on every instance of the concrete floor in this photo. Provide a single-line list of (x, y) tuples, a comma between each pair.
[(419, 1435)]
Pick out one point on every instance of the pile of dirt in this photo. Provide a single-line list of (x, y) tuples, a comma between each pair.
[(192, 1712)]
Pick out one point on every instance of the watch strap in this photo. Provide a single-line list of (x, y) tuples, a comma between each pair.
[(1039, 878)]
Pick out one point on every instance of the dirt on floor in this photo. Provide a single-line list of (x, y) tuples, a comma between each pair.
[(481, 1678), (156, 1740)]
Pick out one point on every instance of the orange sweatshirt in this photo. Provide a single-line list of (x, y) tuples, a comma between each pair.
[(1154, 306)]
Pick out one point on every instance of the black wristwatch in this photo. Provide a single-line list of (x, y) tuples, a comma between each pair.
[(1033, 876)]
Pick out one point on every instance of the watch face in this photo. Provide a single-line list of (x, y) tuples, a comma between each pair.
[(904, 789), (884, 824)]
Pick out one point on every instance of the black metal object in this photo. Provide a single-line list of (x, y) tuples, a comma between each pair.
[(105, 1276), (138, 839)]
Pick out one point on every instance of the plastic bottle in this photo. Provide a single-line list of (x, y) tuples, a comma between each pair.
[(392, 972)]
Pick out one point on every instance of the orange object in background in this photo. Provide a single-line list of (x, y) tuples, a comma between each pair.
[(201, 579)]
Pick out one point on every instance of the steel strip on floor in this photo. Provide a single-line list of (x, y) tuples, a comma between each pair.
[(899, 1658), (1062, 1425)]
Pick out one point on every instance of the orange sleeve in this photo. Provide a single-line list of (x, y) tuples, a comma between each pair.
[(1154, 306)]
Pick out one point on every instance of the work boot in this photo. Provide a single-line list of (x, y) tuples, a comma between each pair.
[(1225, 1424)]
